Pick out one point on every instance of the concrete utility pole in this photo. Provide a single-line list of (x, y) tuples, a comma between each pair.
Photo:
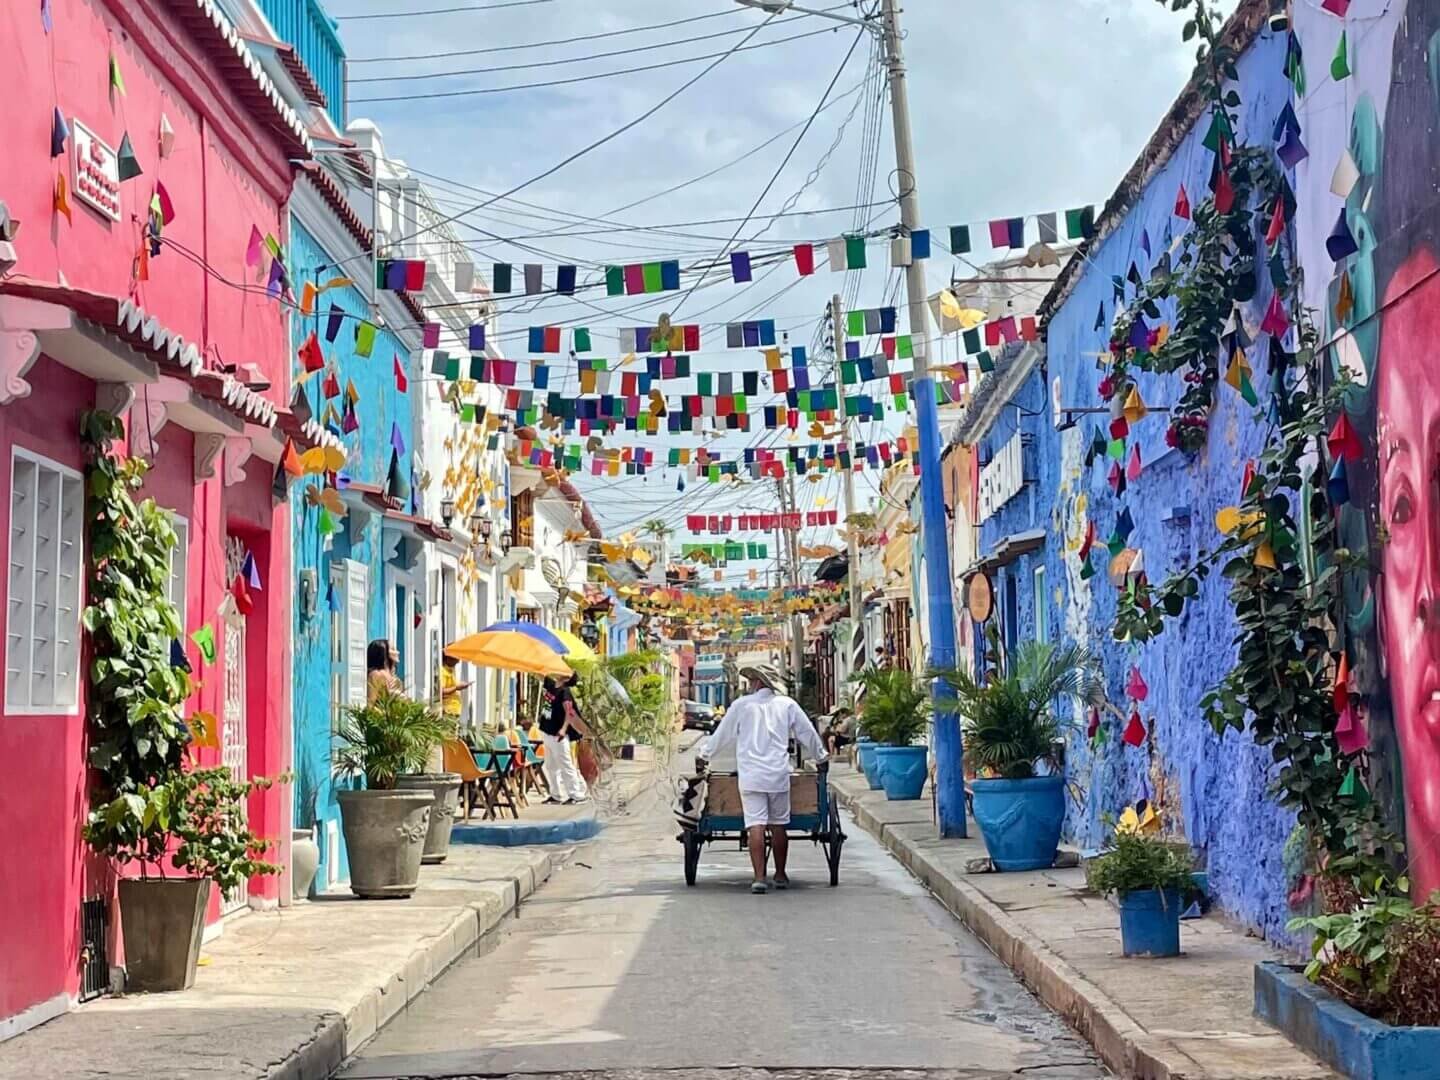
[(949, 754), (852, 545), (949, 759), (797, 629)]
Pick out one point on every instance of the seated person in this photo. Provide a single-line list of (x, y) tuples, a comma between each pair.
[(837, 733)]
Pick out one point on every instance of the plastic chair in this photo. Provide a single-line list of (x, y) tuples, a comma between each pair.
[(474, 778)]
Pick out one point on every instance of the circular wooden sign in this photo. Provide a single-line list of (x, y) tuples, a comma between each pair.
[(979, 597)]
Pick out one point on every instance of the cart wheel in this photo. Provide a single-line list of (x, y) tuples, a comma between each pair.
[(832, 856), (692, 855)]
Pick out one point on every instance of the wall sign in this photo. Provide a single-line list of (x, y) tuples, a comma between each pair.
[(979, 597), (97, 172), (1002, 479)]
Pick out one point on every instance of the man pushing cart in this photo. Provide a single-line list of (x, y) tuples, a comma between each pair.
[(761, 725)]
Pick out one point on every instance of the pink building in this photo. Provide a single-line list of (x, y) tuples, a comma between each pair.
[(184, 341)]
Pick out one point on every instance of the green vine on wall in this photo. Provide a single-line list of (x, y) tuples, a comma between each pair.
[(145, 802), (1284, 586), (137, 736)]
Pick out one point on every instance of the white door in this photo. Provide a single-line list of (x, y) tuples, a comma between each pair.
[(233, 751)]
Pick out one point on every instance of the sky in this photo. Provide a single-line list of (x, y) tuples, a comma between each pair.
[(1018, 107)]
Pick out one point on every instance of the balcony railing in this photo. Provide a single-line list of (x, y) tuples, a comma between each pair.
[(304, 25)]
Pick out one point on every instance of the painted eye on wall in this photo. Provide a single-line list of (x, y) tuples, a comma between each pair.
[(1403, 510)]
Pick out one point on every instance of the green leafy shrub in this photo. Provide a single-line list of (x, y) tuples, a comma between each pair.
[(1009, 720), (389, 737), (135, 698), (1133, 862), (896, 705), (211, 825)]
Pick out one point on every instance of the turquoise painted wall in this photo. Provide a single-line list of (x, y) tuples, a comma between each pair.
[(380, 406)]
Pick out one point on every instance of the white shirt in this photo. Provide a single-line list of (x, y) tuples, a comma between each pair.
[(761, 726)]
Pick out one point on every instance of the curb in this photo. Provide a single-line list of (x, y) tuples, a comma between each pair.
[(337, 1037), (520, 834), (1125, 1047)]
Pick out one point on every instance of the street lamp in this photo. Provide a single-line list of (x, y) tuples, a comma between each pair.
[(447, 511)]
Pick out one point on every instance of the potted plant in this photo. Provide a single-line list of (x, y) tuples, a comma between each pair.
[(894, 713), (1148, 876), (1010, 733), (196, 821), (444, 787), (386, 826)]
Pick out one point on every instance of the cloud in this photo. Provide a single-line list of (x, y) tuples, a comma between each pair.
[(1018, 107)]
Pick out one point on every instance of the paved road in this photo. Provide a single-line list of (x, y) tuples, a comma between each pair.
[(617, 970)]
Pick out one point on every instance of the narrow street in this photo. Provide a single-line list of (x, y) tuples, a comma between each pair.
[(615, 968)]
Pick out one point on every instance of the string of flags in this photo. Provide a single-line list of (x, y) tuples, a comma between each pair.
[(790, 522), (731, 551)]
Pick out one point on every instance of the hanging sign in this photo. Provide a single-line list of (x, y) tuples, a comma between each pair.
[(979, 597), (97, 172), (1002, 479)]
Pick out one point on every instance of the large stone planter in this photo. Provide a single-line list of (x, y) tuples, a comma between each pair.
[(445, 787), (385, 838), (162, 920)]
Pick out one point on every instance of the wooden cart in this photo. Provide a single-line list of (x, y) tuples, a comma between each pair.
[(814, 816)]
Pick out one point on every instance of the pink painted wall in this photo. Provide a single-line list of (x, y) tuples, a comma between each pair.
[(227, 173)]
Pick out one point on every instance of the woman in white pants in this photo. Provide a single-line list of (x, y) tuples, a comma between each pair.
[(561, 727)]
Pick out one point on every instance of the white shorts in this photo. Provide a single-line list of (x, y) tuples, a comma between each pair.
[(766, 807)]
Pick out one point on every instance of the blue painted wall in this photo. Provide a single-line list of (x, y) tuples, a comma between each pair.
[(380, 407), (1213, 789)]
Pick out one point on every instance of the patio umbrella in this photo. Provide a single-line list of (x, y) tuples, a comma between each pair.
[(574, 649), (509, 650)]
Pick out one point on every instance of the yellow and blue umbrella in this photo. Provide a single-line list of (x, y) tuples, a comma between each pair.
[(575, 650), (512, 647)]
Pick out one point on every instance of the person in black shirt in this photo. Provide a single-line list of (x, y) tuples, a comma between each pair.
[(561, 727)]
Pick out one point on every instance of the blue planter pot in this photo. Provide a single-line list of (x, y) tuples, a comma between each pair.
[(867, 764), (902, 770), (1021, 820), (1150, 922)]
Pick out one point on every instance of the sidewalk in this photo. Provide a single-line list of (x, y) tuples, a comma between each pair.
[(291, 993), (1186, 1018)]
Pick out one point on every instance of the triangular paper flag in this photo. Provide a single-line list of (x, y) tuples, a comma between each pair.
[(1343, 441), (117, 81), (1132, 470), (1135, 729), (167, 137), (402, 384), (1346, 175), (1341, 242), (1136, 687), (1344, 299), (127, 168), (59, 132), (62, 198), (1340, 65), (1350, 733), (1182, 204), (1135, 409), (1337, 486), (204, 639)]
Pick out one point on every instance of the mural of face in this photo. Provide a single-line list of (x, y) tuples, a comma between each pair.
[(1408, 445)]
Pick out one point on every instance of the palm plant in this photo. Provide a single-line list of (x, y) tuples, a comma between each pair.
[(387, 738), (896, 705), (1009, 721)]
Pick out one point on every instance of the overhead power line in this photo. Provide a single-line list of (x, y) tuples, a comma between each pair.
[(598, 75), (597, 143), (441, 11), (566, 60), (540, 44)]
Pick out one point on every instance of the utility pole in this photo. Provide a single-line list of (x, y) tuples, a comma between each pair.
[(852, 545), (797, 630), (949, 754), (949, 759)]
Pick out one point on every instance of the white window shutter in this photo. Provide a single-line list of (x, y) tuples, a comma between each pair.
[(357, 628)]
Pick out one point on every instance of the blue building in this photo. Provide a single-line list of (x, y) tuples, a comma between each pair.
[(356, 539), (1040, 491)]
